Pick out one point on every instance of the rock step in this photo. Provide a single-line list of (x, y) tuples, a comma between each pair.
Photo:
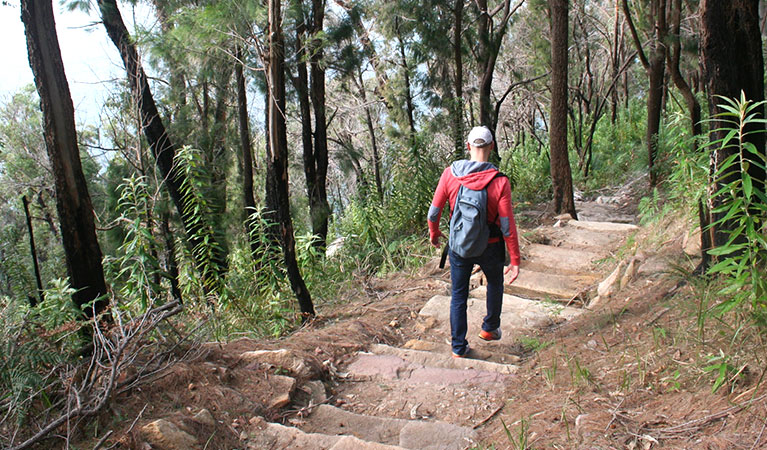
[(263, 435), (444, 359), (409, 434), (518, 314), (392, 367), (603, 226), (492, 354), (572, 237), (565, 260), (544, 285)]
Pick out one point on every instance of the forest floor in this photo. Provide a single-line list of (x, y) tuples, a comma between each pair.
[(631, 369)]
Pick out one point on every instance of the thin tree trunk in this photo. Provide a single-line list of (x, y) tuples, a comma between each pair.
[(373, 142), (277, 164), (171, 267), (561, 176), (33, 253), (246, 151), (320, 209), (78, 230), (160, 143), (457, 109)]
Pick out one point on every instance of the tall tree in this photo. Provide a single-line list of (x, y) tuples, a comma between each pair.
[(212, 264), (318, 196), (73, 202), (733, 63), (491, 34), (457, 104), (655, 66), (561, 176), (278, 197)]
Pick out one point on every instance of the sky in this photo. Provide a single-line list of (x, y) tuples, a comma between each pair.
[(90, 59)]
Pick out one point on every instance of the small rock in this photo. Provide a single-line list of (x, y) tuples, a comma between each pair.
[(394, 323), (610, 285), (283, 358), (283, 391), (205, 418), (426, 324), (317, 391), (592, 344), (163, 434), (630, 273)]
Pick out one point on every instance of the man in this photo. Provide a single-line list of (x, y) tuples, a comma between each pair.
[(478, 174)]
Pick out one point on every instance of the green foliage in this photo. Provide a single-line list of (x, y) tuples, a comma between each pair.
[(529, 170), (135, 262), (33, 341), (743, 213)]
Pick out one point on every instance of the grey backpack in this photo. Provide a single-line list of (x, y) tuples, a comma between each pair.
[(469, 227)]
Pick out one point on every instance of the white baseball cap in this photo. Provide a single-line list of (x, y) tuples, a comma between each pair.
[(480, 136)]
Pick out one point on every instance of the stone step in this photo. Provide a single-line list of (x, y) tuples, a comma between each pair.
[(442, 357), (262, 434), (603, 227), (497, 353), (545, 285), (518, 316), (409, 434), (566, 236), (369, 366), (565, 260)]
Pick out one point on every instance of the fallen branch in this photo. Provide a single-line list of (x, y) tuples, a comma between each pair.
[(487, 419)]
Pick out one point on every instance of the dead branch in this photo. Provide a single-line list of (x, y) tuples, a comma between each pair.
[(113, 352)]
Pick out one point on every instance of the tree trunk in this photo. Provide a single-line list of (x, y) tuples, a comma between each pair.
[(246, 150), (733, 62), (457, 106), (33, 252), (561, 176), (277, 163), (373, 142), (162, 147), (320, 209), (78, 230)]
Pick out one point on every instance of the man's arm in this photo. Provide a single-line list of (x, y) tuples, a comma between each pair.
[(509, 230), (435, 210)]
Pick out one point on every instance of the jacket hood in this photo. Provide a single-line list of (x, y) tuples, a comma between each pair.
[(474, 175)]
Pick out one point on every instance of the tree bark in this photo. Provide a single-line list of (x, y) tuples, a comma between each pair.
[(655, 67), (73, 202), (163, 149), (277, 162), (33, 252), (733, 62), (246, 150), (319, 207), (457, 106), (561, 176)]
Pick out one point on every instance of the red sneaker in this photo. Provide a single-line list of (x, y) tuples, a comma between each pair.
[(494, 335)]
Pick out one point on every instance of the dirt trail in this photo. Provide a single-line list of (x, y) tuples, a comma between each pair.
[(378, 373)]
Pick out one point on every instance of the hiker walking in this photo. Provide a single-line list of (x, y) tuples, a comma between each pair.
[(482, 220)]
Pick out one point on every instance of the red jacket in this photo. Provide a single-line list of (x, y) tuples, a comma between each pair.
[(478, 175)]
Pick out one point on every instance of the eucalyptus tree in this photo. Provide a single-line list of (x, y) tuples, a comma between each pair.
[(278, 198), (209, 254), (73, 202), (655, 66), (561, 176), (733, 64)]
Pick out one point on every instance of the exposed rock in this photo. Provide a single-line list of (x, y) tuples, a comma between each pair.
[(611, 284), (283, 359), (205, 417), (426, 324), (316, 390), (163, 434), (283, 388), (630, 273)]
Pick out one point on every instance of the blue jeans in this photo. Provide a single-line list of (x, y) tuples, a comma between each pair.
[(491, 263)]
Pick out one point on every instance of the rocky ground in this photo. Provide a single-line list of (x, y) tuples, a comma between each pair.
[(601, 350)]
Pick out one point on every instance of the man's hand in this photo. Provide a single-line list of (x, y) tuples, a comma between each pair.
[(435, 238), (514, 273)]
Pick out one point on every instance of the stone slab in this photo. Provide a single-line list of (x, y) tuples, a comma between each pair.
[(442, 358), (518, 314), (602, 227), (544, 285), (390, 367), (566, 259), (273, 435), (404, 433), (579, 238)]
